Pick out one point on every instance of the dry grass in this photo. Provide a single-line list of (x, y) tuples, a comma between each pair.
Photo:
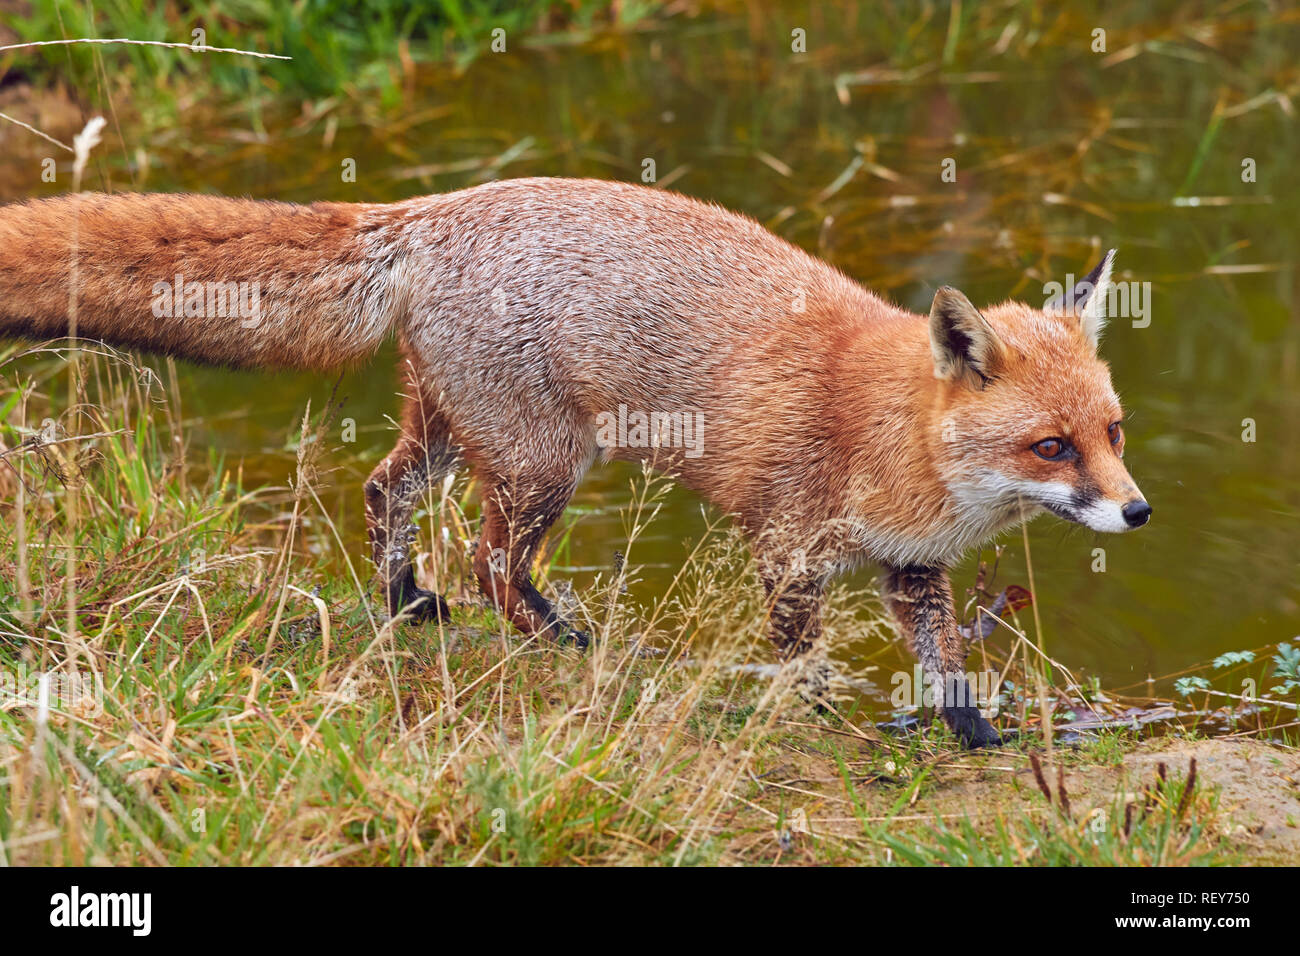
[(248, 689), (258, 709)]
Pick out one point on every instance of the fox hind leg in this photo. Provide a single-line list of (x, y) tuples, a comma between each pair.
[(795, 605), (516, 516), (423, 455), (794, 602)]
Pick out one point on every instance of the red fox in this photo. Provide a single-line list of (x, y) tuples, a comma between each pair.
[(836, 427)]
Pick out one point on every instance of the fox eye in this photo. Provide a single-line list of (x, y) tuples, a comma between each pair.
[(1049, 448), (1116, 433)]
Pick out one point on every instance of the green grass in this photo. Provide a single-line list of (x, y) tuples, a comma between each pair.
[(335, 47), (334, 737), (1170, 821)]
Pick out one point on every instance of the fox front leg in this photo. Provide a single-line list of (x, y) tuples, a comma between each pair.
[(920, 598)]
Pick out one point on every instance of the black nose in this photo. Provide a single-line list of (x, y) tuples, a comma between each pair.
[(1137, 513)]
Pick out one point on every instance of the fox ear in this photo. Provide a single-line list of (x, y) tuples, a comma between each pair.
[(962, 342), (1087, 300)]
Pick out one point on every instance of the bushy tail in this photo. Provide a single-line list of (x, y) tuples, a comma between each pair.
[(220, 281)]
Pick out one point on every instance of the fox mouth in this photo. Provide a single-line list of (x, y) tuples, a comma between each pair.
[(1102, 514), (1062, 512), (1019, 500)]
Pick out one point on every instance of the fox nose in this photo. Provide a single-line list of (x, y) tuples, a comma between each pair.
[(1136, 513)]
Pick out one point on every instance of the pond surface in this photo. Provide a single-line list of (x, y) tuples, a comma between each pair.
[(1059, 152)]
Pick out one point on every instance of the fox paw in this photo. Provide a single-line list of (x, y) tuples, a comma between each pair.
[(561, 632), (971, 728), (568, 634), (421, 606), (580, 639)]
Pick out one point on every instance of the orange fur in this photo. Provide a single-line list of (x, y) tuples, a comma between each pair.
[(836, 426)]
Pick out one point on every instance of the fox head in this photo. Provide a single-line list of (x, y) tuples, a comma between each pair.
[(1027, 416)]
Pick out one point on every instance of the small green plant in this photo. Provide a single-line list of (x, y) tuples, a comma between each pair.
[(1186, 686), (1232, 658), (1287, 665)]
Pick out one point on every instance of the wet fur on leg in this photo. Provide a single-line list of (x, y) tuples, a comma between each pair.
[(920, 598), (516, 517), (392, 491)]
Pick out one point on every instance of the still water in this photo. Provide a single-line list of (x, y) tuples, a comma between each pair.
[(1057, 153)]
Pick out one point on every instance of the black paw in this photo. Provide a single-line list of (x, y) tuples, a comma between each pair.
[(571, 635), (563, 633), (422, 606), (972, 729)]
